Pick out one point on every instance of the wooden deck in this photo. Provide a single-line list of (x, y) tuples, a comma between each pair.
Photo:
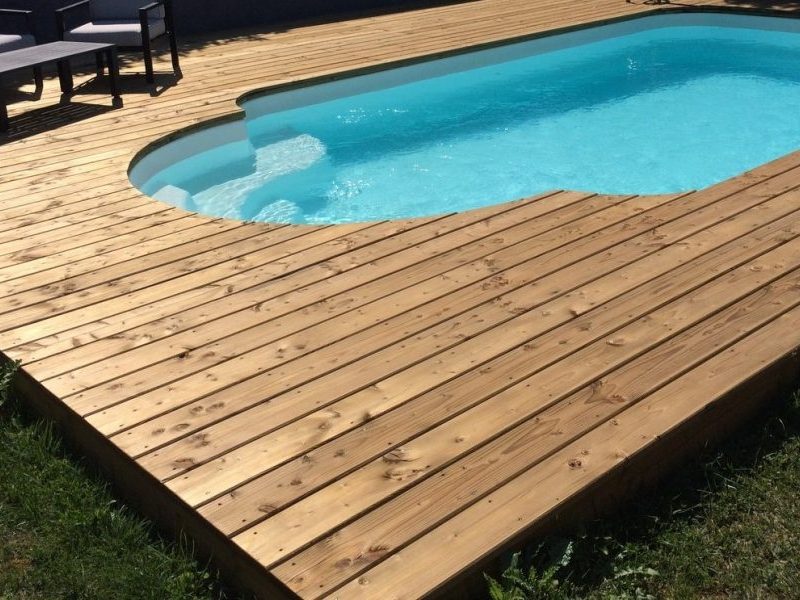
[(379, 410)]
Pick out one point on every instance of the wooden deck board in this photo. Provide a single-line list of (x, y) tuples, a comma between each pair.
[(376, 410), (440, 402), (537, 491), (430, 500)]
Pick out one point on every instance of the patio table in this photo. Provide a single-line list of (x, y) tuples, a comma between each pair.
[(59, 53)]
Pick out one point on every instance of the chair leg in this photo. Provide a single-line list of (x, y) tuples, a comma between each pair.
[(173, 48), (3, 116), (148, 60), (3, 110), (100, 64), (65, 78), (113, 76), (39, 79)]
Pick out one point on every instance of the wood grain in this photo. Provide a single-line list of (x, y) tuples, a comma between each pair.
[(376, 410)]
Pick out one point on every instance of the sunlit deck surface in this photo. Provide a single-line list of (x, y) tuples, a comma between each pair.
[(380, 410)]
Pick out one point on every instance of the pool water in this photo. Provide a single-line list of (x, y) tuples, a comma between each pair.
[(650, 109)]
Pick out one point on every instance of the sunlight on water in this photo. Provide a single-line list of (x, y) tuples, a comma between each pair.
[(660, 111)]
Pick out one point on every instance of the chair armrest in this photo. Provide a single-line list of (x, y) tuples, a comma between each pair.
[(150, 7), (144, 19), (15, 11), (65, 11), (71, 7), (165, 5), (27, 15)]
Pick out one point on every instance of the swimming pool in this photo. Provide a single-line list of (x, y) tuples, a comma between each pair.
[(660, 104)]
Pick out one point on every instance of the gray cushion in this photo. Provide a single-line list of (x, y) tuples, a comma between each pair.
[(10, 41), (121, 10), (121, 33)]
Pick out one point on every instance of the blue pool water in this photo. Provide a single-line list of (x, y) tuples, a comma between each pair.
[(659, 105)]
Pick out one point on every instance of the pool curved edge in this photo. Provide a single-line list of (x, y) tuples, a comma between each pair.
[(206, 134)]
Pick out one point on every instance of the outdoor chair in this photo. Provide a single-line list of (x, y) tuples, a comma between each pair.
[(17, 30), (126, 23)]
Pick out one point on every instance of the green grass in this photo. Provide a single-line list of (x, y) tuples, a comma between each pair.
[(726, 526), (64, 535)]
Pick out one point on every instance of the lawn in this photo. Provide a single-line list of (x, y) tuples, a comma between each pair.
[(726, 525), (64, 535)]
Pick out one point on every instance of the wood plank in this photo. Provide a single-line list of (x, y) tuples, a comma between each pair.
[(510, 351), (28, 306), (391, 419), (107, 237), (371, 281), (516, 290), (26, 227), (444, 493), (451, 278), (210, 283), (173, 308), (71, 264), (543, 489)]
